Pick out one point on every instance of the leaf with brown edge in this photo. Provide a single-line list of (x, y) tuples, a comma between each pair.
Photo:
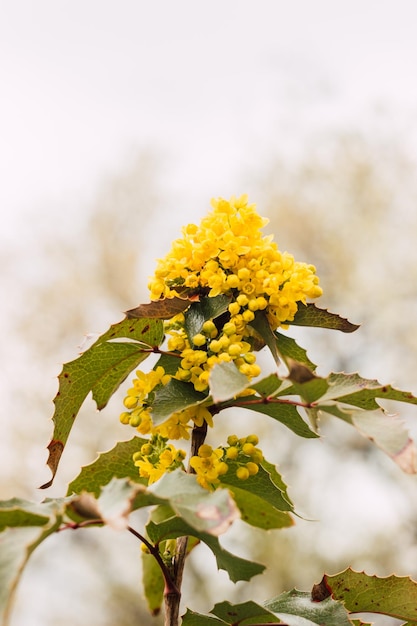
[(395, 596), (161, 309), (100, 370), (311, 315)]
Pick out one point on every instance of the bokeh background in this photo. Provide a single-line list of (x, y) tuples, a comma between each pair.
[(119, 121)]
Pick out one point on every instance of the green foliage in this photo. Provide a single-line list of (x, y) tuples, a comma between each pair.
[(100, 370), (221, 484)]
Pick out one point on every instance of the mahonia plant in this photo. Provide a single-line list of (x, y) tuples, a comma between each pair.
[(223, 293)]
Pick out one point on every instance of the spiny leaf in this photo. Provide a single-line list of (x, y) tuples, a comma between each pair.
[(172, 397), (386, 431), (211, 512), (262, 499), (305, 383), (160, 309), (19, 512), (206, 309), (191, 618), (262, 326), (267, 386), (101, 369), (292, 604), (115, 463), (311, 315), (18, 543), (238, 613), (362, 392), (113, 506), (287, 414), (225, 382), (288, 348), (395, 596), (236, 567)]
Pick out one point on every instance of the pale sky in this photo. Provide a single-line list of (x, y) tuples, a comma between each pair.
[(86, 83)]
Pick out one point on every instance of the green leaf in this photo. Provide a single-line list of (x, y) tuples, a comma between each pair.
[(263, 327), (267, 386), (172, 397), (101, 369), (116, 463), (19, 512), (169, 362), (287, 414), (260, 499), (211, 512), (384, 430), (293, 603), (305, 383), (311, 315), (288, 348), (236, 567), (238, 613), (395, 596), (18, 543), (153, 583), (225, 382), (362, 392), (200, 312), (191, 618)]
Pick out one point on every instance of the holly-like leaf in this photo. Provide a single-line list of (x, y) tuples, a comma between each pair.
[(169, 362), (19, 512), (395, 596), (115, 463), (285, 413), (236, 567), (293, 608), (262, 326), (267, 386), (211, 512), (261, 501), (206, 309), (305, 383), (362, 392), (225, 382), (100, 370), (191, 618), (299, 604), (31, 527), (289, 349), (384, 430), (172, 397), (238, 613), (311, 315), (160, 309)]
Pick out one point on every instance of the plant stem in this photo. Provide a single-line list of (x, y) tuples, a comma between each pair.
[(172, 599)]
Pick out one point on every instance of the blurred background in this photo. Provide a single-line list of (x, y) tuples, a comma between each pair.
[(119, 121)]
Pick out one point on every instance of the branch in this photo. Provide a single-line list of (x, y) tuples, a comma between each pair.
[(170, 586), (172, 600)]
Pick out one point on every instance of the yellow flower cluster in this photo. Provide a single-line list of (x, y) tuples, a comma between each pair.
[(211, 346), (139, 405), (228, 254), (208, 466), (241, 454), (156, 458)]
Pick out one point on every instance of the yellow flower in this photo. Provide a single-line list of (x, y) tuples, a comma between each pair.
[(208, 466), (228, 253)]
